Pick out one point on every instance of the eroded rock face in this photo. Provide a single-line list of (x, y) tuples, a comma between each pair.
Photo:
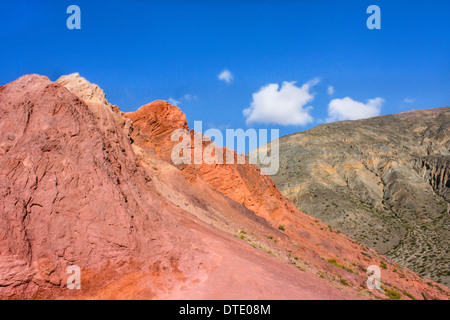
[(71, 194), (436, 170), (153, 125), (86, 91), (81, 184), (382, 181)]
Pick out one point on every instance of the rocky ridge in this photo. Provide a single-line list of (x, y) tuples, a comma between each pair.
[(383, 181), (85, 184)]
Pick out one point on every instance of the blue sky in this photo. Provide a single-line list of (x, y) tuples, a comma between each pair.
[(140, 51)]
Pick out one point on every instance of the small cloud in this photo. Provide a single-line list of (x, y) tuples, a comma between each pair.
[(330, 90), (189, 97), (226, 76), (283, 106), (349, 109), (407, 100), (186, 97), (313, 82), (173, 101)]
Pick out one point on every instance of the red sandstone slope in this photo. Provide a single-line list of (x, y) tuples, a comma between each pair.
[(307, 238), (152, 129), (75, 190)]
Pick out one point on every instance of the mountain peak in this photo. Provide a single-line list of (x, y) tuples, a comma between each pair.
[(82, 88), (163, 112)]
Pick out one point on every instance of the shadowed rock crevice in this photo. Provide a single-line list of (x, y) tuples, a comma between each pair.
[(436, 170)]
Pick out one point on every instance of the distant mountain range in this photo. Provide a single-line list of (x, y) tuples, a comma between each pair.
[(384, 181)]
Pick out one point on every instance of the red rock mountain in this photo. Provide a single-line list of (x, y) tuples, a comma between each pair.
[(85, 184)]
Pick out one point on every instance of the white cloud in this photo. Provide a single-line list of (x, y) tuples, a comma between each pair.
[(349, 109), (330, 90), (407, 100), (186, 97), (226, 76), (283, 106), (173, 101), (189, 97)]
